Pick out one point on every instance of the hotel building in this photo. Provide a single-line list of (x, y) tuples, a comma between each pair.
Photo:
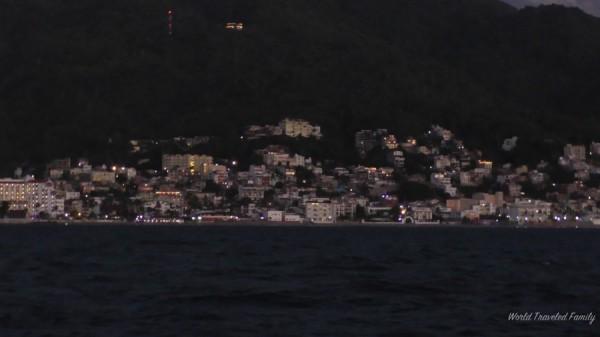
[(33, 196)]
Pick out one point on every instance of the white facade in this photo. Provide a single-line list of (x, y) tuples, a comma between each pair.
[(34, 196), (284, 159), (440, 179), (575, 152), (103, 177), (220, 174), (396, 158), (299, 128), (72, 195), (444, 182), (466, 179), (529, 211), (251, 192), (128, 172), (320, 212), (56, 173), (197, 164), (290, 217), (422, 214), (275, 216), (441, 162), (168, 201)]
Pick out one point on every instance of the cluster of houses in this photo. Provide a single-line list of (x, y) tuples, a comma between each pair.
[(234, 26), (295, 128), (295, 188)]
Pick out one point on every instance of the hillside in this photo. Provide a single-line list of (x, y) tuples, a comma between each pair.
[(74, 74), (589, 6)]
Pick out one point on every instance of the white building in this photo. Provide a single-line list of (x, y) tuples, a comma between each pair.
[(220, 174), (574, 152), (396, 158), (496, 199), (275, 216), (103, 177), (458, 205), (443, 181), (527, 210), (257, 170), (82, 168), (467, 178), (234, 26), (33, 196), (320, 211), (421, 214), (196, 164), (514, 190), (299, 128), (441, 162), (253, 193), (284, 159), (537, 177), (127, 172), (291, 217), (169, 201), (376, 209), (56, 173)]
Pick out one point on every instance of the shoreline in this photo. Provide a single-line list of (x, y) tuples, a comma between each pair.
[(259, 223)]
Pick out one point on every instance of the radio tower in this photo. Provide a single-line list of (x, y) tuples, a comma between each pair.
[(170, 13)]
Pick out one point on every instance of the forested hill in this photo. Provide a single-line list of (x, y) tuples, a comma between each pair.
[(76, 73)]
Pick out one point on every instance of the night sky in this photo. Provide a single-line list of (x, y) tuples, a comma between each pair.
[(590, 6)]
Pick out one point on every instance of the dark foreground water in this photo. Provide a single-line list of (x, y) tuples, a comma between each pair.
[(306, 281)]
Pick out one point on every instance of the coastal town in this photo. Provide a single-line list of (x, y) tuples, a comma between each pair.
[(432, 178)]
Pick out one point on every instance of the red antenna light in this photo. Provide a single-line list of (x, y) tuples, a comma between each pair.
[(170, 13)]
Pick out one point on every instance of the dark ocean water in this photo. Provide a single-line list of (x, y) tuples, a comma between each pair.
[(286, 281)]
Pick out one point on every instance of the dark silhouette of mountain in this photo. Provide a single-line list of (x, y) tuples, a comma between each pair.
[(76, 74), (589, 6)]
